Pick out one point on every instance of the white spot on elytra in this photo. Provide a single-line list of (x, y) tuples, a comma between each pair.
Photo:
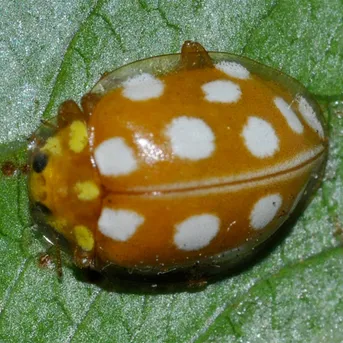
[(291, 118), (265, 210), (191, 138), (142, 87), (114, 157), (260, 138), (233, 69), (119, 225), (196, 232), (310, 116), (222, 91)]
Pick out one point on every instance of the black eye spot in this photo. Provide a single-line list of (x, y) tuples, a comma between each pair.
[(42, 208), (40, 161)]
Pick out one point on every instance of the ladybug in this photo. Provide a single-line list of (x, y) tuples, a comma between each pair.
[(177, 162)]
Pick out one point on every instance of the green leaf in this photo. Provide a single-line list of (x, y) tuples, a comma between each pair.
[(286, 307), (54, 50)]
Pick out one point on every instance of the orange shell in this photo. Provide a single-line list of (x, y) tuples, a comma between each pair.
[(185, 162)]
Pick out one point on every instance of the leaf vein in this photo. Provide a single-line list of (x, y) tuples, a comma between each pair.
[(166, 20), (218, 311), (110, 26), (170, 312), (144, 312), (85, 62), (325, 53), (256, 28), (71, 45), (78, 323), (10, 289)]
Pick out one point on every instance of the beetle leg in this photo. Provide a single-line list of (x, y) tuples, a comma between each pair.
[(68, 112), (82, 258), (194, 56)]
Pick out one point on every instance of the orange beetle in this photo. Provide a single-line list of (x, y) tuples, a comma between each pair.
[(177, 161)]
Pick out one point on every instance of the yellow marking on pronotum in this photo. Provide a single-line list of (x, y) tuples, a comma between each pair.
[(78, 137), (84, 237), (53, 146), (86, 190)]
